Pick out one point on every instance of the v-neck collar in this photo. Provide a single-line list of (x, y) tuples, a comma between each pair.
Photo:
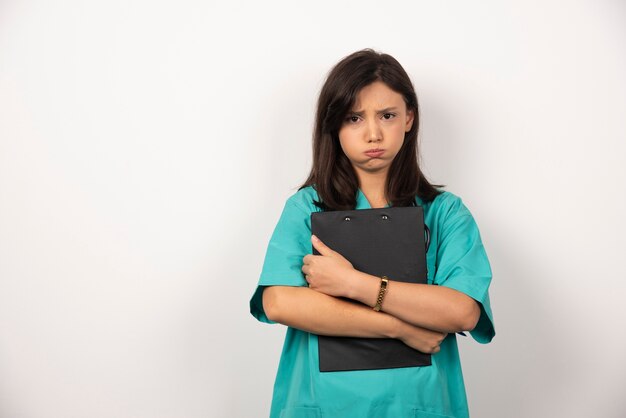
[(362, 202)]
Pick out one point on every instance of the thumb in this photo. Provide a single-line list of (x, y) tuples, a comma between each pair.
[(320, 246)]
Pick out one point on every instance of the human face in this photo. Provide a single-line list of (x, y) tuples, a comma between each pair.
[(372, 132)]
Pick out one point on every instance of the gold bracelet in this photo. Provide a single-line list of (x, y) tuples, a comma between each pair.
[(384, 281)]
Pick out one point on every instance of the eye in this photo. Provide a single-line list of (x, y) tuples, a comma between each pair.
[(388, 116), (352, 119)]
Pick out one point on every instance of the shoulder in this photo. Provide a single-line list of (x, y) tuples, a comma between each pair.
[(446, 205), (303, 200), (446, 211), (296, 214)]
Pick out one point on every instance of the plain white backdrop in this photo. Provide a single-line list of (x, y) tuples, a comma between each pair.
[(147, 149)]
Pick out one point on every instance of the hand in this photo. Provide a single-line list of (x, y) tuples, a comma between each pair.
[(329, 272), (421, 339)]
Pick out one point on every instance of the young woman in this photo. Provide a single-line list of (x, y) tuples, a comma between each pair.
[(365, 156)]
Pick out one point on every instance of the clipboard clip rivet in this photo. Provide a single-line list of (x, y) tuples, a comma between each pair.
[(385, 217), (347, 218)]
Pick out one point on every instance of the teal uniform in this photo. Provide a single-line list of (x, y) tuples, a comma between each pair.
[(456, 259)]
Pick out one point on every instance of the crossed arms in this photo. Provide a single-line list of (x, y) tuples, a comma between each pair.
[(420, 315)]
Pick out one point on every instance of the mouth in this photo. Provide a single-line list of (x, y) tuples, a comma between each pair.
[(374, 152)]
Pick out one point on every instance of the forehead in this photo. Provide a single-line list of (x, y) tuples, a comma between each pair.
[(378, 95)]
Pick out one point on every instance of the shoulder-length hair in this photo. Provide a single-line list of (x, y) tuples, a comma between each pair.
[(332, 174)]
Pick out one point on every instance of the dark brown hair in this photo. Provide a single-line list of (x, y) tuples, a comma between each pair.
[(332, 174)]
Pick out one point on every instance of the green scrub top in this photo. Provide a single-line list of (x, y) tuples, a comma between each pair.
[(456, 258)]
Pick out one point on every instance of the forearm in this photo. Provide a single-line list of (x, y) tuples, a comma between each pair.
[(433, 307), (318, 313)]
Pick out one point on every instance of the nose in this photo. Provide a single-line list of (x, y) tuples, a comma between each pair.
[(374, 133)]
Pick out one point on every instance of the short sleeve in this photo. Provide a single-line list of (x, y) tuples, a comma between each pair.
[(462, 264), (290, 242)]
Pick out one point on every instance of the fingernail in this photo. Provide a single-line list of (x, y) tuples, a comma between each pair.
[(314, 238)]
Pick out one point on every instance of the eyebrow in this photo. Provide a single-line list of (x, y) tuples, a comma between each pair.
[(385, 110)]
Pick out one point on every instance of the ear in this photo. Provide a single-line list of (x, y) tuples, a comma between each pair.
[(409, 120)]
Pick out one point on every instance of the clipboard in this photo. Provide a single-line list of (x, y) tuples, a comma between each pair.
[(383, 241)]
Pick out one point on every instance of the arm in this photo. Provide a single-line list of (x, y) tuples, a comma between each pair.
[(318, 313), (436, 308)]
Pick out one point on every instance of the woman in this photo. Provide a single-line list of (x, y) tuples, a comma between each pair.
[(365, 156)]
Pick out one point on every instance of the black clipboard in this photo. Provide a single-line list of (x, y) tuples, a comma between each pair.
[(384, 241)]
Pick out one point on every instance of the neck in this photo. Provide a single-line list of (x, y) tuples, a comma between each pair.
[(373, 187)]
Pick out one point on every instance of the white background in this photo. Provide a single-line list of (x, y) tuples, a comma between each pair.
[(147, 149)]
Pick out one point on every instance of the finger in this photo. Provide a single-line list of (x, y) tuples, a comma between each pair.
[(320, 246)]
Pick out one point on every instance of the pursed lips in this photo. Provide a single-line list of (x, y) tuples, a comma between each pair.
[(374, 152)]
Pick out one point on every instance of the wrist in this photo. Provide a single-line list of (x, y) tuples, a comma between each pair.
[(381, 293), (363, 288)]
